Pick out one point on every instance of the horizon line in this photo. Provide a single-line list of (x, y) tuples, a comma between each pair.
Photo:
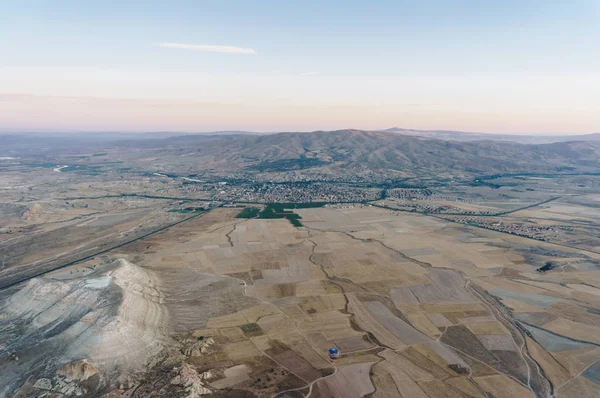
[(233, 131)]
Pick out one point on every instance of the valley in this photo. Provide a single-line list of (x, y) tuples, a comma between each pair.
[(228, 266)]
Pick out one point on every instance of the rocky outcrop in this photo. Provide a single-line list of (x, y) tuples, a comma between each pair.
[(78, 371), (193, 382), (108, 332), (76, 336), (33, 212)]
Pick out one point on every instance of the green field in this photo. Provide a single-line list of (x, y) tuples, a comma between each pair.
[(248, 212), (277, 210)]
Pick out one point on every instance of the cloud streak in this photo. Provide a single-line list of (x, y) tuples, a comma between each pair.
[(208, 48)]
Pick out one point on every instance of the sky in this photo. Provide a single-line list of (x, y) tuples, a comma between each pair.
[(526, 66)]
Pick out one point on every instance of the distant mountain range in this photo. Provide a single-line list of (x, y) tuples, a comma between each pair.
[(450, 135), (327, 153), (356, 152), (447, 135)]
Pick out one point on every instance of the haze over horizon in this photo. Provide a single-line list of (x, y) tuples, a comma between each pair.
[(172, 133), (515, 67)]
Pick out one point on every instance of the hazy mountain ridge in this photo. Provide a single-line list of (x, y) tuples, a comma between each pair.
[(350, 150), (472, 136), (341, 152)]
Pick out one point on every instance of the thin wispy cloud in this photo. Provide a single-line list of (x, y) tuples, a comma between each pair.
[(208, 48), (308, 73)]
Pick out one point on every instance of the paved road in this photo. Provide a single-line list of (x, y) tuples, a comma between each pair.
[(9, 282)]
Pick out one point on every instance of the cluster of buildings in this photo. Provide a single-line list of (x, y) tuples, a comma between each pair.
[(405, 193), (539, 232), (313, 192), (279, 192), (456, 210), (414, 205), (431, 206)]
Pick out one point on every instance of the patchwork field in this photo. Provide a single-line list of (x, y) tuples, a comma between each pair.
[(451, 303), (417, 306)]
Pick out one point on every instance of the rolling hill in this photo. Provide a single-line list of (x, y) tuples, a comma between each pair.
[(470, 136), (342, 154), (354, 151)]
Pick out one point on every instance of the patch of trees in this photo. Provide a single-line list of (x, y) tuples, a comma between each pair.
[(546, 267)]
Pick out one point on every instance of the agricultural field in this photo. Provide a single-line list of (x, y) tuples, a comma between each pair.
[(159, 291), (480, 299), (50, 217)]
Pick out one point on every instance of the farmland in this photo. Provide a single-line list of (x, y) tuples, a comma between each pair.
[(136, 283), (463, 312)]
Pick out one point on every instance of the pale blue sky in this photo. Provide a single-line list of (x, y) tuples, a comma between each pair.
[(510, 66)]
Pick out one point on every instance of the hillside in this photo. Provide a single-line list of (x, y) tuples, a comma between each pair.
[(324, 155), (354, 151), (470, 136)]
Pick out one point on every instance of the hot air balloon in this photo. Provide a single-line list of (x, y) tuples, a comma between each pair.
[(334, 353)]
